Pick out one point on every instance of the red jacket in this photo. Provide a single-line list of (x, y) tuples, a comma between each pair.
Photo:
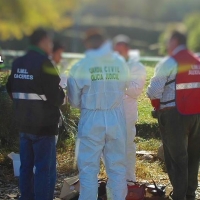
[(187, 83)]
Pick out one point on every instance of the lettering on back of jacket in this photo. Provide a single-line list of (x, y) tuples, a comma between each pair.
[(111, 73), (195, 70), (23, 74)]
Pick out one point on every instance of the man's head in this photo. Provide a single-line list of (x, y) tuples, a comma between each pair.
[(94, 38), (176, 40), (58, 49), (121, 45), (41, 39)]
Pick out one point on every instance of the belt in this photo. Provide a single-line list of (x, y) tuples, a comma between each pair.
[(167, 108)]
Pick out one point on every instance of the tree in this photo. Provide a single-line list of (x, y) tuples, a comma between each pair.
[(21, 17), (193, 26)]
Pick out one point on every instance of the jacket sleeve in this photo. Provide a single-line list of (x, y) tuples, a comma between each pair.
[(137, 80), (50, 83), (74, 92), (163, 70)]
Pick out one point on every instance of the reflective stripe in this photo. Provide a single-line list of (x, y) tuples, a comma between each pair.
[(182, 86), (29, 96)]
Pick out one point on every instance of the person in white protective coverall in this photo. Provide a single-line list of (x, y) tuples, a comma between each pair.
[(96, 85), (138, 77)]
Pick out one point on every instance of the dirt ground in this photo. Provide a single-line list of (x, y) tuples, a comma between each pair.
[(9, 189), (66, 168)]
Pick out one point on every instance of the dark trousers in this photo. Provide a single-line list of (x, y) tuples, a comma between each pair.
[(38, 151), (181, 141)]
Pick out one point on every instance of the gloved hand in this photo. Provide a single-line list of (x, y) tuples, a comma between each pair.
[(155, 103)]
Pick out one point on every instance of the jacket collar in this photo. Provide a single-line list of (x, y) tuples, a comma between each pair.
[(37, 49), (104, 50), (178, 49)]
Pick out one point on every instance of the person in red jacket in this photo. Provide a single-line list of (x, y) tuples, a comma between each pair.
[(175, 92)]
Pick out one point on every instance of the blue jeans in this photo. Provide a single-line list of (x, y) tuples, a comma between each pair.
[(38, 151)]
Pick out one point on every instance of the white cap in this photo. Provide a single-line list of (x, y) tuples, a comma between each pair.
[(121, 39)]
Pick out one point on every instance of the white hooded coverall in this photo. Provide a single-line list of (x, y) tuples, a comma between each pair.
[(96, 85), (138, 77)]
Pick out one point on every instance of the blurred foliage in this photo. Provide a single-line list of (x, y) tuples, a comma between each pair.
[(142, 20), (8, 128), (193, 26), (150, 10), (3, 79), (21, 17)]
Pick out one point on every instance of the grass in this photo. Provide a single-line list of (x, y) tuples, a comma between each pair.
[(147, 144), (148, 171), (147, 126), (144, 106), (148, 138)]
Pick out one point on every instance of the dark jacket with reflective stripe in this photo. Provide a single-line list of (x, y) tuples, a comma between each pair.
[(33, 74)]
